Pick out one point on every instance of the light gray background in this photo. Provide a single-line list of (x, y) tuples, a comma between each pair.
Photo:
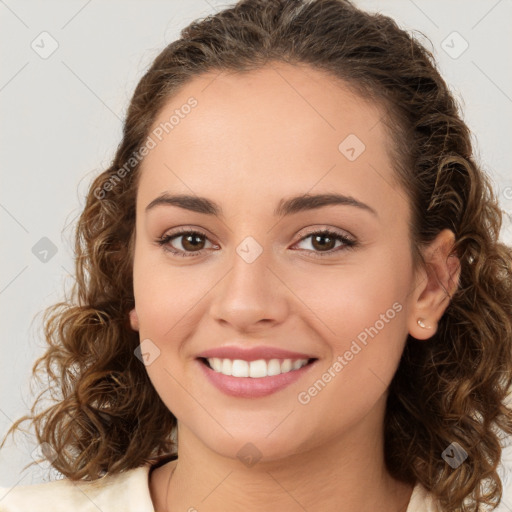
[(61, 122)]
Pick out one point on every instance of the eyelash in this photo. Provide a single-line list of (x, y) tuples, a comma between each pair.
[(349, 243)]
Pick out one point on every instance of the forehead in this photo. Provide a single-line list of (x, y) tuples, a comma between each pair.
[(281, 129)]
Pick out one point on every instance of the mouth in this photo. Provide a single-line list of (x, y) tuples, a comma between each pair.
[(253, 379), (256, 369), (253, 372)]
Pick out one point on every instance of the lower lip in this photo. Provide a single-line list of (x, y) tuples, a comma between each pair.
[(248, 387)]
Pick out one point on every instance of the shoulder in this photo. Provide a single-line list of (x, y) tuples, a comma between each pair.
[(422, 501), (127, 492)]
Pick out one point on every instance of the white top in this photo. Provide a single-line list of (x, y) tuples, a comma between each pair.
[(123, 492), (129, 492)]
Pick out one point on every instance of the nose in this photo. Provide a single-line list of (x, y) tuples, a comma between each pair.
[(251, 296)]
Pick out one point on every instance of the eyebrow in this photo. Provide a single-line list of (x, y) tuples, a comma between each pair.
[(285, 207)]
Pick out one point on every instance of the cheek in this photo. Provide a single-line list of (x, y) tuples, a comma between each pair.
[(343, 301), (166, 295), (359, 313), (364, 337)]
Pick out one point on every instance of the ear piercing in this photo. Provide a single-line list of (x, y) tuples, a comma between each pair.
[(422, 323)]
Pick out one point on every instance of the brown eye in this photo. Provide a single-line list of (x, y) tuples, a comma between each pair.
[(325, 242), (191, 242)]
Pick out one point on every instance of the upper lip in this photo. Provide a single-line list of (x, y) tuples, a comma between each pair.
[(252, 353)]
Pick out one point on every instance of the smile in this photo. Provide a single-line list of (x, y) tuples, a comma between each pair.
[(255, 369), (253, 379)]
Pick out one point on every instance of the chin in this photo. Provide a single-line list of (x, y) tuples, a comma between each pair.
[(251, 446)]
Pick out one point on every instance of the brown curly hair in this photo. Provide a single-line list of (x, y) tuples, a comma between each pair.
[(107, 417)]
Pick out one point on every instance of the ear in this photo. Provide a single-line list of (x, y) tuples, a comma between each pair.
[(134, 320), (435, 285)]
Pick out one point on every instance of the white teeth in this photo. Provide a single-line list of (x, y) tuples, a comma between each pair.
[(255, 369), (273, 367), (240, 368), (227, 367), (297, 364), (216, 363), (258, 368), (286, 365)]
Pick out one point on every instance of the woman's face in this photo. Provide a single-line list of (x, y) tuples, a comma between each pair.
[(259, 274)]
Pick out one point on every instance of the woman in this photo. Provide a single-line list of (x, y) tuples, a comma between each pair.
[(290, 289)]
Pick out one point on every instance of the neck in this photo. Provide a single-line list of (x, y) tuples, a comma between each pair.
[(345, 474)]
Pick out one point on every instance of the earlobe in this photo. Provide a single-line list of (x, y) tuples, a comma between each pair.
[(439, 281), (423, 329), (134, 320)]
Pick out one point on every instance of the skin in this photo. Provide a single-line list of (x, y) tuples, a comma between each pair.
[(252, 140)]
